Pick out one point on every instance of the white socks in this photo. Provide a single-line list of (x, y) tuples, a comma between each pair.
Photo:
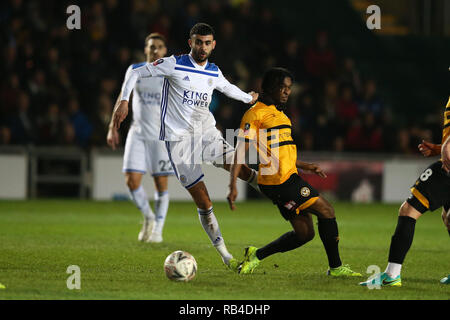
[(393, 269), (140, 199), (211, 226), (161, 207)]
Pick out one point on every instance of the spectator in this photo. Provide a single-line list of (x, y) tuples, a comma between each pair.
[(355, 140), (80, 123), (9, 94), (330, 99), (90, 64), (347, 109), (370, 101), (101, 119), (372, 133), (320, 59), (292, 58), (5, 135), (404, 142), (50, 126), (21, 124), (37, 86), (349, 75)]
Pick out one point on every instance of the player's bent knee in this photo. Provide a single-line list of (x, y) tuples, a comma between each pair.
[(331, 212), (327, 212), (132, 182), (407, 210), (304, 233), (200, 196), (322, 209)]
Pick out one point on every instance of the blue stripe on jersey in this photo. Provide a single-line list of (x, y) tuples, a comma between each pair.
[(212, 67), (164, 98), (197, 71), (165, 108), (137, 65), (162, 108), (184, 60)]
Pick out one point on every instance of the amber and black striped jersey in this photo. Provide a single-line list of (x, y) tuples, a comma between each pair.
[(446, 130), (269, 130)]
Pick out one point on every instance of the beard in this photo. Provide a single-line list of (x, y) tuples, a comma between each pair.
[(198, 58)]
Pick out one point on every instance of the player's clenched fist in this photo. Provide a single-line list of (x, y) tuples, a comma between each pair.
[(120, 113)]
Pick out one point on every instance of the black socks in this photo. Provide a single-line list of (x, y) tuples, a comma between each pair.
[(328, 232), (402, 239), (286, 242)]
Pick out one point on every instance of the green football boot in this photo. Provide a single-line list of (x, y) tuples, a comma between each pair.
[(382, 280), (233, 265), (445, 280), (250, 261), (343, 271)]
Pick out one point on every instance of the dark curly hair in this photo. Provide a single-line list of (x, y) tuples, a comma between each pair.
[(272, 82), (202, 29)]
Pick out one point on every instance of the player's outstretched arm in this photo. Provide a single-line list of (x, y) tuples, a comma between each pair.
[(233, 92), (429, 149), (311, 167), (445, 153)]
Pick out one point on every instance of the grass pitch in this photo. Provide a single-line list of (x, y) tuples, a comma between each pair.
[(40, 239)]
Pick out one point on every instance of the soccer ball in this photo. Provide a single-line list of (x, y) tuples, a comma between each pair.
[(180, 266)]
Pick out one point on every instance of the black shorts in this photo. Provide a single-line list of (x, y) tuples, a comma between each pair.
[(431, 190), (292, 196)]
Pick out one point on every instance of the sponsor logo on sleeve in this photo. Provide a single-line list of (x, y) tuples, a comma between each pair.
[(159, 61)]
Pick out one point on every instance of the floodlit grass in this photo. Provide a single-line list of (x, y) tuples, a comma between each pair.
[(40, 239)]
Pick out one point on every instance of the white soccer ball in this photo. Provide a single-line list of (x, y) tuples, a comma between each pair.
[(180, 266)]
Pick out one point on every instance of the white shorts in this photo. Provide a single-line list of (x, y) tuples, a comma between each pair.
[(146, 155), (188, 155)]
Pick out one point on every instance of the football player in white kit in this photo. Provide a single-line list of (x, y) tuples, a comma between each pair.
[(187, 125), (144, 152)]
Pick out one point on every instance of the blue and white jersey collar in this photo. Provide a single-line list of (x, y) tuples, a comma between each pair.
[(195, 63)]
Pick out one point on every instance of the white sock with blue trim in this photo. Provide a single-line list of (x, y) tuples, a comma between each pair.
[(161, 207), (140, 199), (211, 226)]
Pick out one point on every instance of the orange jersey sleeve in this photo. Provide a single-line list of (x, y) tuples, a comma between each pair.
[(250, 125)]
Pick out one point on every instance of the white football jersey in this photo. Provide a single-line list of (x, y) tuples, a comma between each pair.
[(186, 93), (146, 105)]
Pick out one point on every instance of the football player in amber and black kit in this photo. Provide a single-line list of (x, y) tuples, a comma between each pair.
[(430, 192), (266, 127)]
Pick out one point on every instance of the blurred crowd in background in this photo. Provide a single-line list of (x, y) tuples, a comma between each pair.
[(59, 86)]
